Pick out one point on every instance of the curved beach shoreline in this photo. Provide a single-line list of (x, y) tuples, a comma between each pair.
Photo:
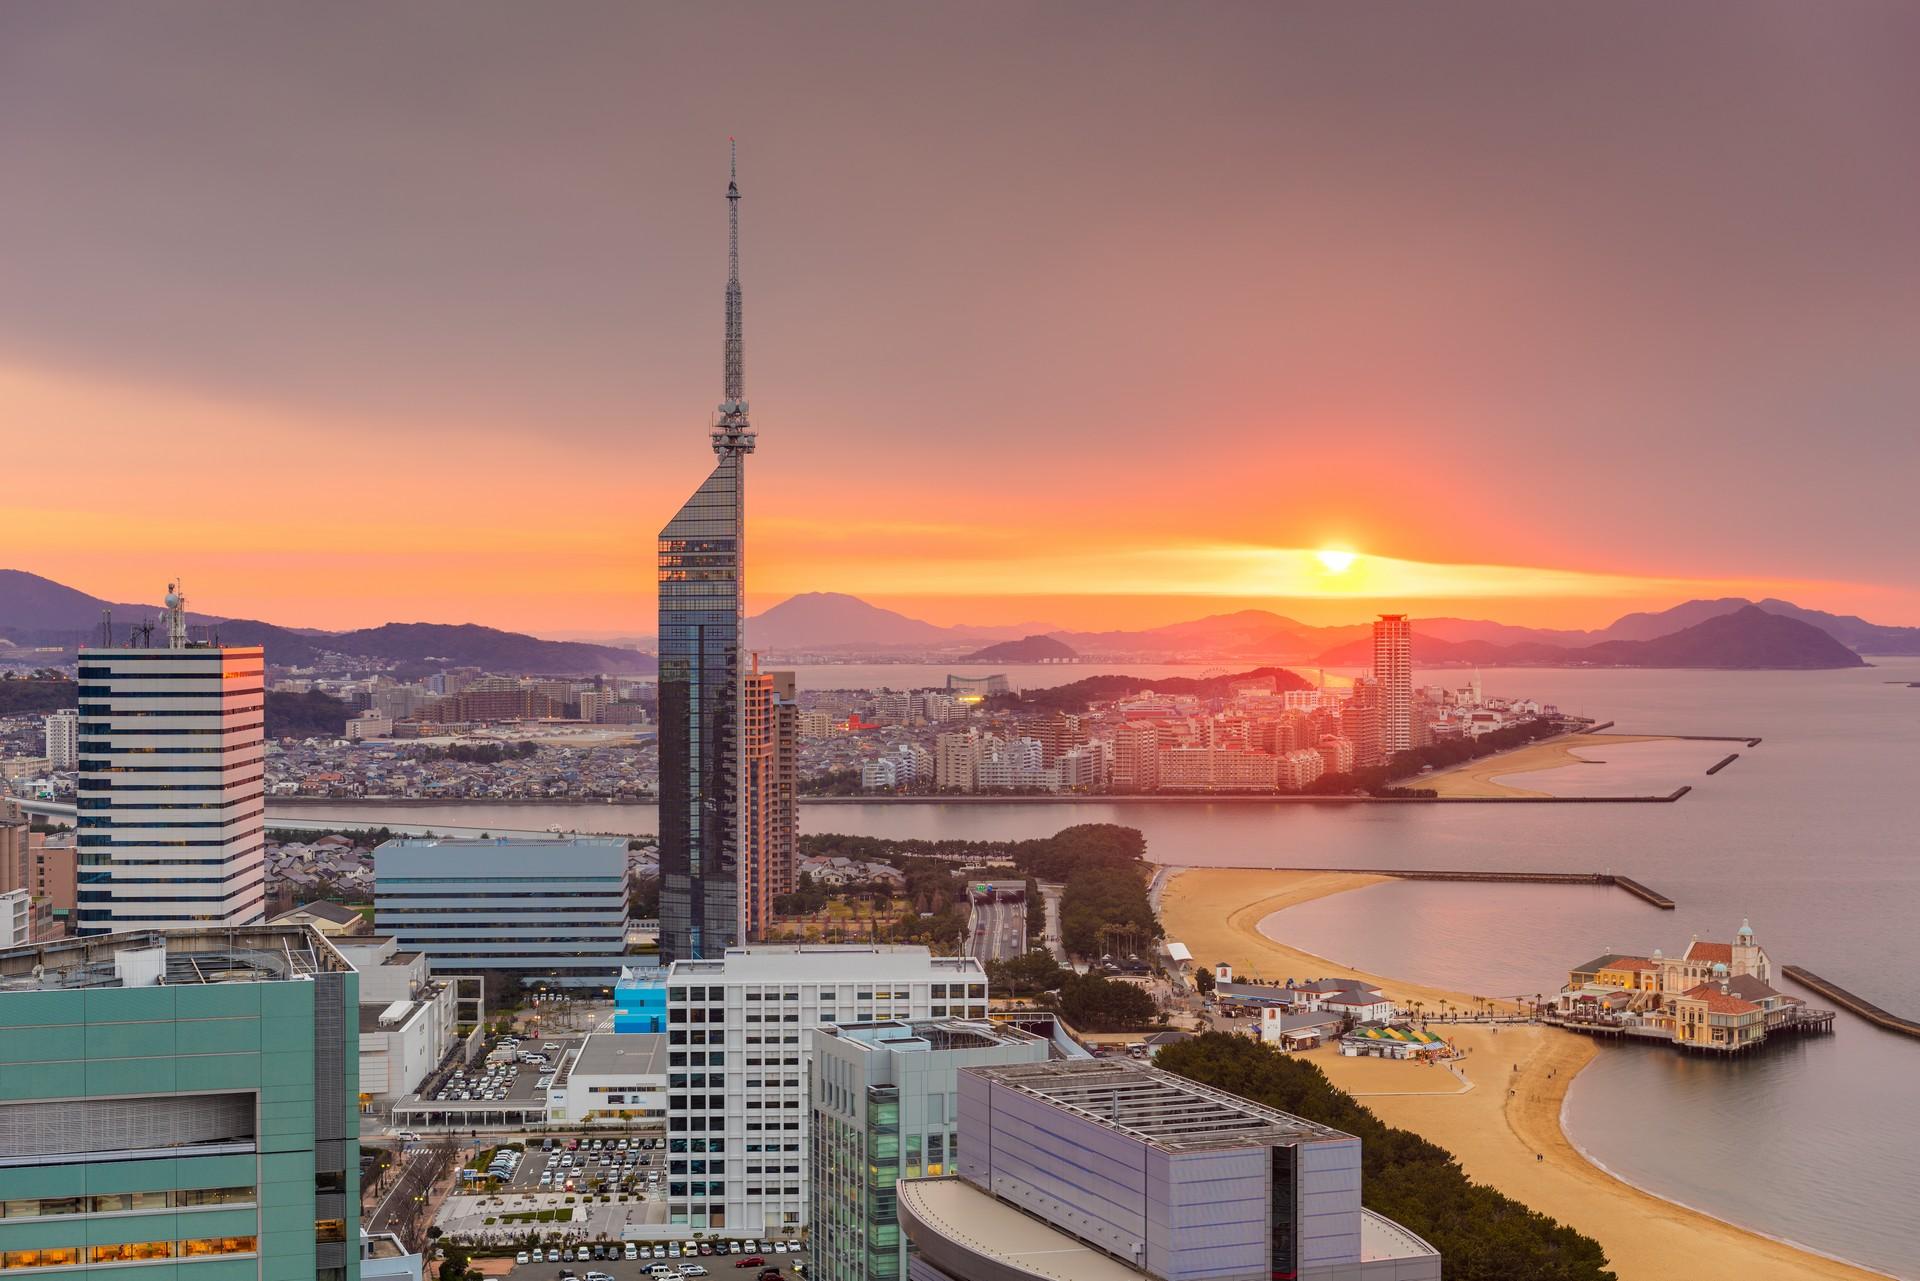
[(1506, 1131)]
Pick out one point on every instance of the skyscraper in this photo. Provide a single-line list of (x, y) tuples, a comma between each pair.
[(771, 719), (170, 795), (702, 555), (1393, 669)]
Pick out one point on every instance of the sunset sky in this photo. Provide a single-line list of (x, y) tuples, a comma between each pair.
[(1104, 315)]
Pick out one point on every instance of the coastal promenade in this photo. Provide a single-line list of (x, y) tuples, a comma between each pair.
[(1510, 1141)]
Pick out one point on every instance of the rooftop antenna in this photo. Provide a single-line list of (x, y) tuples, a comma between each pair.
[(176, 616), (732, 433), (145, 631), (106, 629)]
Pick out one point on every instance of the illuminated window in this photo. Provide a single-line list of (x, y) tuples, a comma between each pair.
[(133, 1252), (217, 1245), (50, 1257)]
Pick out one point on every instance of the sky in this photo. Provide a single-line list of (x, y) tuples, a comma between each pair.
[(1088, 315)]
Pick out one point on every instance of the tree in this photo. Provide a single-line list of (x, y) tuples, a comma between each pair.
[(1105, 1005), (1203, 981), (1026, 975)]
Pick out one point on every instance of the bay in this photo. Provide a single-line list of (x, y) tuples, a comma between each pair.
[(1810, 835)]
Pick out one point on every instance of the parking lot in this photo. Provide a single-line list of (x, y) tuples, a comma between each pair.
[(598, 1164), (717, 1267)]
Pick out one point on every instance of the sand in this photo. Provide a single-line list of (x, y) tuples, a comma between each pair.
[(1216, 912), (1499, 1138), (1475, 778)]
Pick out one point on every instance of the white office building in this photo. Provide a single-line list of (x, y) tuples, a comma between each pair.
[(63, 739), (16, 918), (739, 1041), (171, 805), (409, 1020), (552, 910), (612, 1078)]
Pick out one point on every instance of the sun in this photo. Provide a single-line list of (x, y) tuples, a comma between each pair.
[(1336, 562)]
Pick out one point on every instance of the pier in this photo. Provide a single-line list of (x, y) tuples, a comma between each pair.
[(1626, 883), (1722, 764), (1851, 1003)]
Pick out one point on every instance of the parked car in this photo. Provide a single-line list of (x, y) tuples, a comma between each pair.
[(520, 1257), (633, 1251), (751, 1261)]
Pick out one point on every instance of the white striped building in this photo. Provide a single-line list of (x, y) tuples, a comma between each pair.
[(170, 796)]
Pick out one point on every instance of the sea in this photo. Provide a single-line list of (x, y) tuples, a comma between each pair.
[(1810, 836)]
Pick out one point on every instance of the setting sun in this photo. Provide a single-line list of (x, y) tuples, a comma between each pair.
[(1336, 562)]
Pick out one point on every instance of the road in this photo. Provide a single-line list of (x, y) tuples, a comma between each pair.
[(1051, 893), (997, 930)]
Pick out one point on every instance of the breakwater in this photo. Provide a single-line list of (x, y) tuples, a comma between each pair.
[(1852, 1004), (1722, 763), (1626, 883)]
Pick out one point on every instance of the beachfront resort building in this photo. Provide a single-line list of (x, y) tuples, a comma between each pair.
[(1104, 1170), (1713, 996)]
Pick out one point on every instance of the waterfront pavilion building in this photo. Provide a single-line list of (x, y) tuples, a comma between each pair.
[(885, 1107), (1098, 1170), (183, 1101), (549, 910)]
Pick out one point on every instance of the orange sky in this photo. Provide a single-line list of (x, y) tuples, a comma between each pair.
[(1087, 318), (308, 521)]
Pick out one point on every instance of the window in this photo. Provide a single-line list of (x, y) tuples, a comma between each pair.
[(132, 1252), (218, 1245), (47, 1257)]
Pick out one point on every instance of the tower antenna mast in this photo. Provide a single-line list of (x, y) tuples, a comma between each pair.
[(732, 433)]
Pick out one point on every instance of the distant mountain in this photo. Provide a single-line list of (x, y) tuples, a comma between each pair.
[(1857, 634), (1028, 649), (833, 620), (40, 611), (1749, 638), (1247, 632)]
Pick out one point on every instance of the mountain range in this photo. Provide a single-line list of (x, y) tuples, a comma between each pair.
[(823, 622), (39, 611)]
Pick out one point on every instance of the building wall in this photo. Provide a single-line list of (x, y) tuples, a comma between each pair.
[(754, 1011), (171, 802), (277, 1046), (550, 910)]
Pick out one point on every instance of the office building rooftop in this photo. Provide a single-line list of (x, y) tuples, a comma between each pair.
[(794, 963), (622, 1054), (1158, 1108), (154, 958), (900, 1036)]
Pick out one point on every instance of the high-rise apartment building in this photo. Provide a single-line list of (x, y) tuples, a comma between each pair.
[(956, 761), (702, 555), (1105, 1169), (62, 738), (185, 1100), (1360, 723), (171, 792), (550, 910), (1136, 757), (769, 726), (1393, 671), (739, 1041), (885, 1107)]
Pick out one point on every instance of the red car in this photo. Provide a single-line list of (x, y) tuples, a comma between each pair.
[(751, 1261)]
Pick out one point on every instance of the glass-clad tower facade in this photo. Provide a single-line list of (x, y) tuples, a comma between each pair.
[(702, 555), (700, 622)]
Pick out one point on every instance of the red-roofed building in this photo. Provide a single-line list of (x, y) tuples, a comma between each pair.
[(1707, 1015), (1706, 961)]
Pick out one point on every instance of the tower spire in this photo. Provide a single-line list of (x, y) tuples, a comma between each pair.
[(732, 434)]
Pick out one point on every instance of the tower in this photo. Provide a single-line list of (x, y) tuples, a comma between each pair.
[(1393, 671), (702, 555)]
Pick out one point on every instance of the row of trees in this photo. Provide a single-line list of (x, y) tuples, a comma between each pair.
[(1484, 1235), (475, 753), (1088, 1001)]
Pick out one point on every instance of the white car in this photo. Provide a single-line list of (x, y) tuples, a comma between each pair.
[(520, 1257), (694, 1270), (632, 1251)]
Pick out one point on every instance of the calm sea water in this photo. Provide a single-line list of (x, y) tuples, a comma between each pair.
[(1810, 835)]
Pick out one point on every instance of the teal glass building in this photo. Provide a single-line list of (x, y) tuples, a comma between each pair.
[(180, 1105)]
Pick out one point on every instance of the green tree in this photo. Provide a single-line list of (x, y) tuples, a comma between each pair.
[(1203, 981)]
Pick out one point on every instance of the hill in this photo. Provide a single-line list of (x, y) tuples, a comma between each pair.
[(1749, 638), (40, 611), (1028, 649), (1247, 632), (834, 620), (1078, 696)]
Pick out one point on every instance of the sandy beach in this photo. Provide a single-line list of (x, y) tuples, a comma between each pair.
[(1475, 778), (1510, 1141)]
